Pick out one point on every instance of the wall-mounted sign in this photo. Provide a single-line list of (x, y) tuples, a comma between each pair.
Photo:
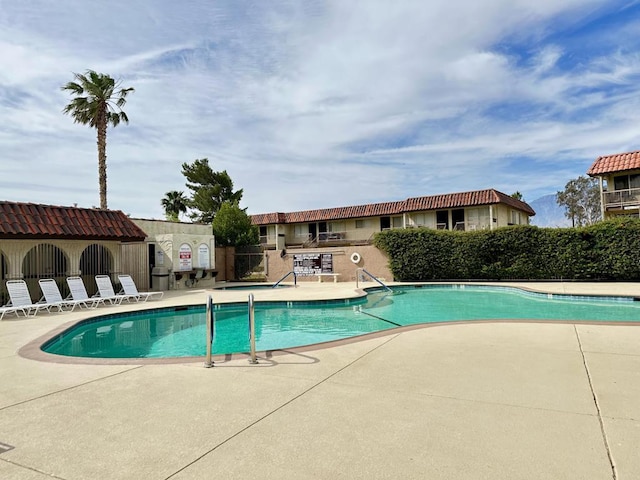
[(184, 254), (203, 256), (306, 264)]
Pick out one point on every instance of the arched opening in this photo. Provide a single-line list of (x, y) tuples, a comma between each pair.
[(95, 260), (44, 261)]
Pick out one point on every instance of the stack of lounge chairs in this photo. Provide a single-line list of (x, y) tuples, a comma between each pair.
[(20, 303)]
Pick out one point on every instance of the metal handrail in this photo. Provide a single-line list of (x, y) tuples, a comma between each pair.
[(295, 279), (208, 362), (252, 330), (372, 276)]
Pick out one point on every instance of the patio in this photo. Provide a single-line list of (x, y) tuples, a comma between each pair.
[(465, 401)]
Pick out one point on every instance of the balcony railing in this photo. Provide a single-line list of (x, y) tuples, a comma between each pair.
[(629, 197)]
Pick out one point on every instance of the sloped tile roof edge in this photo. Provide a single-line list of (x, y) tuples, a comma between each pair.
[(37, 221), (432, 202), (616, 162)]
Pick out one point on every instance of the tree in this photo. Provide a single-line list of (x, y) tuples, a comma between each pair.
[(209, 190), (517, 196), (174, 203), (232, 227), (581, 200), (98, 103)]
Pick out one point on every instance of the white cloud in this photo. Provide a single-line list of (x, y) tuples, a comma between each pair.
[(309, 104)]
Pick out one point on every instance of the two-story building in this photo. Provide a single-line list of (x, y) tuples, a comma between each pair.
[(356, 225), (619, 176)]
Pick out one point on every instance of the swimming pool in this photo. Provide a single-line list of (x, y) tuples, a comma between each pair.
[(180, 331)]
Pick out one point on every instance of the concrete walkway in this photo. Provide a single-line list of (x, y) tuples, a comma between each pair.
[(470, 401)]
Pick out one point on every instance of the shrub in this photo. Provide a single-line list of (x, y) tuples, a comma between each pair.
[(608, 250)]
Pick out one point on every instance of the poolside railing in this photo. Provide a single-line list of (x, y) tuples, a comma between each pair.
[(295, 279), (210, 327), (373, 277), (210, 322), (252, 330)]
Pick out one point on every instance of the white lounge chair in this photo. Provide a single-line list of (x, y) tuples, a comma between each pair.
[(78, 293), (8, 309), (52, 296), (129, 288), (106, 291), (20, 298)]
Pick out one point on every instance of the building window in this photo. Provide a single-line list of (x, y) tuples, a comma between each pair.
[(420, 219), (624, 182), (362, 223), (301, 230), (396, 222), (336, 227)]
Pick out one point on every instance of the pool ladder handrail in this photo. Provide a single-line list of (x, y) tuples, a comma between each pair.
[(295, 279), (360, 269), (210, 326), (208, 362), (252, 330)]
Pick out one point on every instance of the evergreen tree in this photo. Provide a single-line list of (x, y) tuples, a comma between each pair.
[(209, 190)]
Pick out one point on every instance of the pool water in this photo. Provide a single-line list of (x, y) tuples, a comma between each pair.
[(180, 332)]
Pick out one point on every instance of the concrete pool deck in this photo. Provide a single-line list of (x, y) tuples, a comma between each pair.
[(464, 401)]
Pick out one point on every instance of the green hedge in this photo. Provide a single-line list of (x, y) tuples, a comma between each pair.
[(608, 250)]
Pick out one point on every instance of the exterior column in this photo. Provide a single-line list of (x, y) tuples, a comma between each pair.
[(491, 226)]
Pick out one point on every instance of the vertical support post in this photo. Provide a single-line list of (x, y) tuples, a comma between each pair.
[(208, 363), (252, 330)]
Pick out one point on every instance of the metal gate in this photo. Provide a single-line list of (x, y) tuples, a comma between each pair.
[(135, 262), (249, 263)]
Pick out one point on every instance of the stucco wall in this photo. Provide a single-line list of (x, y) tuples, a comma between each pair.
[(372, 259), (159, 227)]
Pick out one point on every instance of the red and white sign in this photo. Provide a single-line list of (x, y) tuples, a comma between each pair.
[(185, 257)]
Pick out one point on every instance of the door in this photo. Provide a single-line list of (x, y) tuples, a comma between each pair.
[(322, 226)]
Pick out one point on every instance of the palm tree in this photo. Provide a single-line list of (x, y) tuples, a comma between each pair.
[(174, 203), (98, 103)]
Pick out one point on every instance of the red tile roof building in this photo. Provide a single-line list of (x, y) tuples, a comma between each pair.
[(619, 176), (433, 202), (356, 225)]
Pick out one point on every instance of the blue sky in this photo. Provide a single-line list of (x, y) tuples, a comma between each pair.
[(314, 104)]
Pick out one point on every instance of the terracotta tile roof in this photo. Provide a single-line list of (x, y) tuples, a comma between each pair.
[(465, 199), (34, 221), (618, 162), (341, 213), (434, 202)]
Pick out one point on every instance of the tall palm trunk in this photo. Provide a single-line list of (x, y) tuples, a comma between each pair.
[(102, 160)]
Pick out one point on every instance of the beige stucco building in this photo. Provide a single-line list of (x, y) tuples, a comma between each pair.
[(477, 210), (336, 242), (184, 252), (619, 177)]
